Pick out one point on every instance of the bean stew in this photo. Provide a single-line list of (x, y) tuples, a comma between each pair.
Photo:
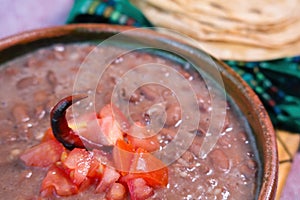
[(32, 159)]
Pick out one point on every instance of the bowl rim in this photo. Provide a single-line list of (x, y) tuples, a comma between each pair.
[(270, 167)]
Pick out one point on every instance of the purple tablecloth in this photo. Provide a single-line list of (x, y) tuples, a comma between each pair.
[(17, 16)]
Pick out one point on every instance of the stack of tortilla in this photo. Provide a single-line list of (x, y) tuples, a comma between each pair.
[(233, 29)]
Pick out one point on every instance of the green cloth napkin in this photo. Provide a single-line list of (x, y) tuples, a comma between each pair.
[(276, 82), (107, 11)]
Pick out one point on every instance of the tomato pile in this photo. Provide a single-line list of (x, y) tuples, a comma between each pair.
[(131, 171)]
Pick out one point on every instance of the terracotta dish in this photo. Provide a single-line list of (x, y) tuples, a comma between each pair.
[(237, 155)]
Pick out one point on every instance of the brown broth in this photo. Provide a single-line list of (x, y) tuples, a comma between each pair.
[(32, 84)]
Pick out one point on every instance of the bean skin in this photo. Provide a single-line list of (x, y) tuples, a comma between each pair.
[(188, 156), (226, 123), (40, 96), (51, 78), (135, 97), (246, 171), (20, 113), (148, 92), (40, 112), (203, 106), (196, 145), (219, 160), (27, 82), (168, 133), (173, 115)]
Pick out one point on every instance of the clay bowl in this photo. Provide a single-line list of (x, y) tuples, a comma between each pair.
[(242, 94)]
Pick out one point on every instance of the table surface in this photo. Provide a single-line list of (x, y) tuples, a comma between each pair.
[(17, 16)]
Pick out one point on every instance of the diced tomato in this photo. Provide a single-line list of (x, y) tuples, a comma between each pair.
[(43, 154), (57, 181), (125, 146), (111, 130), (116, 192), (103, 156), (122, 155), (80, 122), (150, 144), (78, 161), (48, 135), (110, 110), (138, 189), (93, 132), (96, 168), (140, 137), (106, 111), (86, 117), (152, 170), (105, 129), (86, 184), (110, 176)]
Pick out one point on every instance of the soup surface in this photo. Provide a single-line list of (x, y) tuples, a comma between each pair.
[(32, 84)]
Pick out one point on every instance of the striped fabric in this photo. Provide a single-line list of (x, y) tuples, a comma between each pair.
[(276, 82), (107, 11)]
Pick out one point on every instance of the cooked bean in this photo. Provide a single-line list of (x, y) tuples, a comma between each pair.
[(27, 82), (251, 164), (123, 94), (226, 123), (149, 92), (204, 123), (196, 145), (173, 115), (169, 96), (136, 117), (246, 171), (107, 97), (59, 52), (40, 96), (203, 106), (203, 168), (219, 160), (9, 71), (185, 74), (167, 93), (242, 137), (236, 159), (135, 97), (168, 133), (40, 111), (225, 141), (20, 113), (200, 132), (183, 162), (51, 78), (49, 105), (14, 154), (34, 63), (188, 156)]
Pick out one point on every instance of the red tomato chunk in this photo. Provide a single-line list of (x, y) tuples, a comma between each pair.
[(57, 181), (44, 154), (78, 161), (74, 171)]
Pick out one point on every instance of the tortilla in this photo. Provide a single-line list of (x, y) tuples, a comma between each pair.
[(252, 12), (268, 28), (240, 52)]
